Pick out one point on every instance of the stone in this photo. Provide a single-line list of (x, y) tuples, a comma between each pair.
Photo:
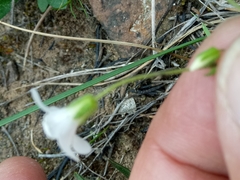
[(128, 20), (128, 106)]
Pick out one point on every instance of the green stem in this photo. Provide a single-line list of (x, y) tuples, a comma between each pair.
[(139, 77)]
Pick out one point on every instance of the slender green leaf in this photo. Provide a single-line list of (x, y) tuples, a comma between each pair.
[(98, 135), (71, 9), (78, 177), (83, 8), (42, 5), (58, 4), (125, 171), (5, 7), (206, 30), (95, 81)]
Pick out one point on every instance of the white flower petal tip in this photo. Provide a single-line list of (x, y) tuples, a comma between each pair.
[(78, 146), (38, 100), (60, 124), (81, 146), (54, 122), (205, 59)]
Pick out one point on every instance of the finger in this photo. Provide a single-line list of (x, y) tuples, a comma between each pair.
[(228, 107), (183, 132), (21, 168)]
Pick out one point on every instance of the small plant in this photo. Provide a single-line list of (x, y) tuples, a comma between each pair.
[(61, 123)]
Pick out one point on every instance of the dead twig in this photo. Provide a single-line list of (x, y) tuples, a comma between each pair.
[(31, 37), (3, 74), (12, 11), (83, 39), (35, 147), (10, 138)]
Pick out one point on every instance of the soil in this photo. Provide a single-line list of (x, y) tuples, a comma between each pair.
[(52, 57)]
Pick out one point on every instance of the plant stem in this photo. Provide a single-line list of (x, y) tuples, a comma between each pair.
[(139, 77)]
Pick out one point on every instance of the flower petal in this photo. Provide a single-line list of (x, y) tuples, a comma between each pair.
[(81, 146), (38, 100), (58, 123), (52, 121), (205, 59), (65, 144)]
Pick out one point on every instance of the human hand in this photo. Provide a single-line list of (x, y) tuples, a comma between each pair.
[(196, 132)]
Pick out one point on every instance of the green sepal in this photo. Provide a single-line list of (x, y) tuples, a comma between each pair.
[(206, 59), (206, 30), (84, 107)]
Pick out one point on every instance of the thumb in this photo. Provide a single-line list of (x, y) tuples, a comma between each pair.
[(228, 108)]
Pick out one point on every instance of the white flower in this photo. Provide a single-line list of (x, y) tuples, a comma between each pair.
[(205, 59), (61, 124)]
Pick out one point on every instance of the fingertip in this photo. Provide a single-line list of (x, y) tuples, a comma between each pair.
[(21, 168), (185, 125), (227, 107)]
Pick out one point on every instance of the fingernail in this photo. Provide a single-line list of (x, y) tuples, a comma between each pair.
[(228, 81)]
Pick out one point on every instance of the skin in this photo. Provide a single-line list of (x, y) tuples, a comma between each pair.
[(189, 136), (192, 136), (21, 168)]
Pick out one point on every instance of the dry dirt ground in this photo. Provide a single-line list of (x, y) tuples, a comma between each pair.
[(50, 57)]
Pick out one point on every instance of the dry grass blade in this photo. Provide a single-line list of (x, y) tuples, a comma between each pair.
[(33, 144), (31, 37), (11, 140), (82, 39)]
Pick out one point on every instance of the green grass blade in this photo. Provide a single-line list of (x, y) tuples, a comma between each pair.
[(98, 135), (206, 30), (95, 81), (71, 9), (78, 177), (125, 171), (83, 8)]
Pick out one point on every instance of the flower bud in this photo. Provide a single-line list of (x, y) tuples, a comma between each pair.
[(205, 59)]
